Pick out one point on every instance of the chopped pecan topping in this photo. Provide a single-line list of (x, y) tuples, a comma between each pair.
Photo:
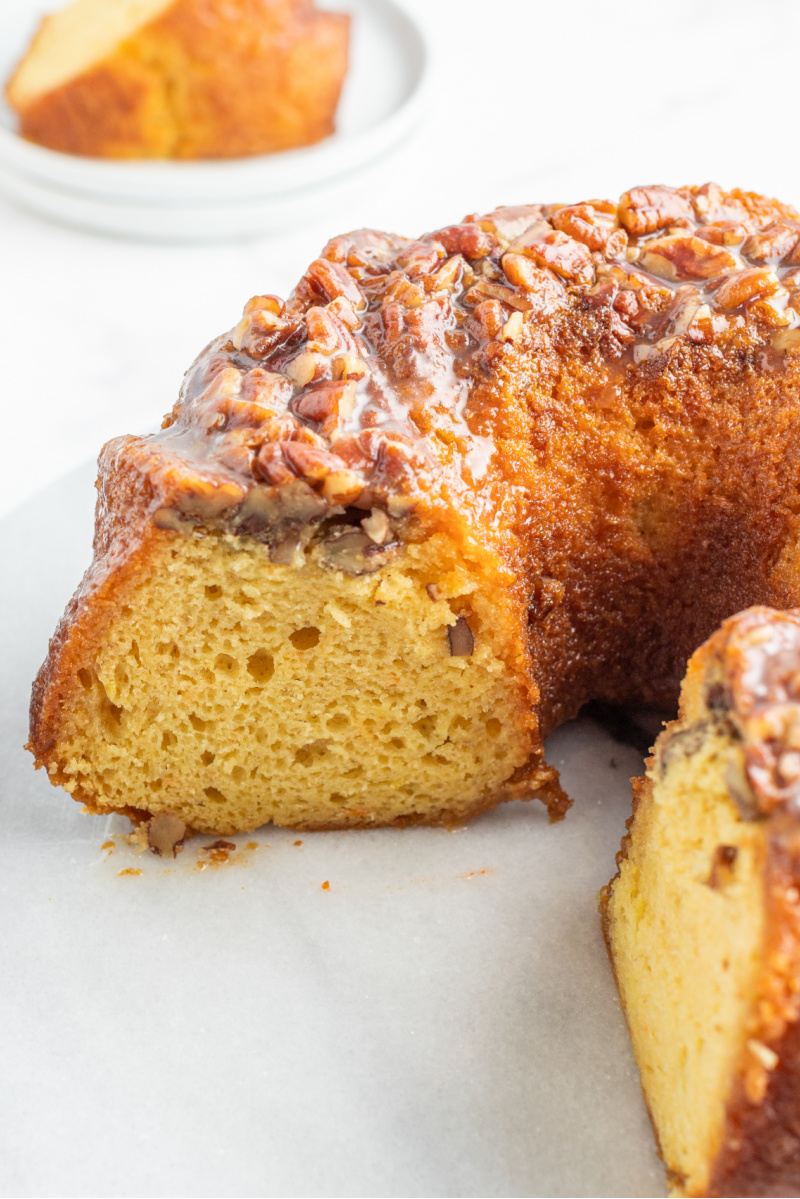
[(359, 398), (514, 328), (753, 673), (490, 317)]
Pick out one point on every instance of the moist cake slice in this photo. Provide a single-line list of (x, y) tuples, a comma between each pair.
[(703, 918)]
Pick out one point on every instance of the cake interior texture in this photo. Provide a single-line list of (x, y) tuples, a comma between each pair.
[(76, 38), (687, 921), (232, 691)]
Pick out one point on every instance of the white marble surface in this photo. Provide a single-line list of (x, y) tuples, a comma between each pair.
[(536, 101)]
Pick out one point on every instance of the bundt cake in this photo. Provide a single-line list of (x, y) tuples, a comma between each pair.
[(181, 78), (703, 918), (398, 528)]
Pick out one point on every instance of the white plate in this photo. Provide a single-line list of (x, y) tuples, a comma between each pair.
[(184, 221), (386, 93), (441, 1021)]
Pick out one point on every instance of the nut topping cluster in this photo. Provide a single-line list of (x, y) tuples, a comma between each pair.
[(754, 679), (348, 406)]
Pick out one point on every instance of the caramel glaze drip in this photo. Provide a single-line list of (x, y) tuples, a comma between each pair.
[(753, 679), (603, 394)]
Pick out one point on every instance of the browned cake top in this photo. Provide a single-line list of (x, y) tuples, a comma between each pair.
[(598, 401), (753, 676), (362, 390)]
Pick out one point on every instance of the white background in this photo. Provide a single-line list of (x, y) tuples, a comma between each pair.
[(535, 101)]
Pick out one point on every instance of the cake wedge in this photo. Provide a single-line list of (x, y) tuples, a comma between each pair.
[(703, 918)]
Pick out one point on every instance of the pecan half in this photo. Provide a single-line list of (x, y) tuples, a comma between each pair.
[(645, 209), (271, 464), (776, 241), (723, 233), (420, 257), (510, 221), (350, 550), (630, 305), (209, 498), (165, 835), (327, 400), (744, 286), (683, 256), (323, 335), (349, 366), (309, 461), (468, 240), (596, 230), (461, 639), (523, 272), (334, 280), (267, 303), (490, 317), (446, 277), (255, 328), (346, 313), (495, 291), (294, 502), (563, 254), (267, 389)]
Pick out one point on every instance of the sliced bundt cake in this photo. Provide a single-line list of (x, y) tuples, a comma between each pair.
[(398, 528)]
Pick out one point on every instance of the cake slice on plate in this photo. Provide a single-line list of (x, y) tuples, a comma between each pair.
[(181, 78)]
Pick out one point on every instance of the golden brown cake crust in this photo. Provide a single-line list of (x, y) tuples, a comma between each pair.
[(626, 443), (760, 1154), (597, 399), (749, 674), (752, 674), (208, 79)]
